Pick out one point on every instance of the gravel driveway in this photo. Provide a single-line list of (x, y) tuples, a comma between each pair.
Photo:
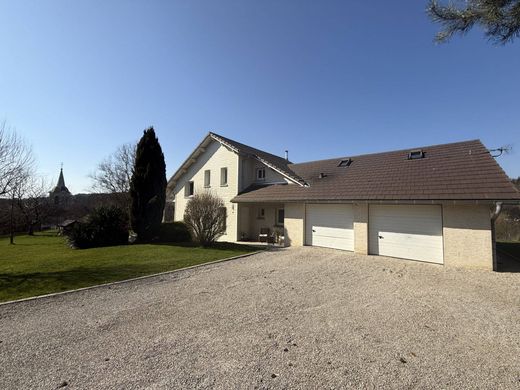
[(291, 318)]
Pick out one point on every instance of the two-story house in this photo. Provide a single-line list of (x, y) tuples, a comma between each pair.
[(227, 168), (435, 204)]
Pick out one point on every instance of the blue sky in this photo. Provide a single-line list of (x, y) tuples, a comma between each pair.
[(322, 79)]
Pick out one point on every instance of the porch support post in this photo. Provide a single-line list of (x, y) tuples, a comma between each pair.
[(294, 224), (360, 228)]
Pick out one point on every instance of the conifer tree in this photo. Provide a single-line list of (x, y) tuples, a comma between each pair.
[(500, 19), (148, 187)]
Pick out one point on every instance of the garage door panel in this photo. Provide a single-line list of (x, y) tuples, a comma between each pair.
[(330, 226), (409, 232), (331, 232), (414, 249)]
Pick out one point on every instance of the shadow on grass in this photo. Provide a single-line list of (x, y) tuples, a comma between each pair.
[(73, 276), (217, 245), (226, 246), (16, 286), (508, 257)]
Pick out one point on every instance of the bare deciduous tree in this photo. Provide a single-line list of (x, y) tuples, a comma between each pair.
[(113, 174), (16, 159), (205, 217), (13, 190), (32, 200)]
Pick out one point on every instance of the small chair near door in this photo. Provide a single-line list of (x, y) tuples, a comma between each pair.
[(264, 235)]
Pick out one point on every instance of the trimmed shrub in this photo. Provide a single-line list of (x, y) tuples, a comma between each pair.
[(105, 226), (205, 216), (174, 232)]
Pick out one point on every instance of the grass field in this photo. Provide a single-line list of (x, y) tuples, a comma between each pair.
[(43, 263)]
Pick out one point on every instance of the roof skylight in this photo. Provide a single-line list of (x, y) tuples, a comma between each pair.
[(415, 154), (345, 163)]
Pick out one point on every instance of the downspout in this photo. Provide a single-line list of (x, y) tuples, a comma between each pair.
[(496, 213), (494, 216)]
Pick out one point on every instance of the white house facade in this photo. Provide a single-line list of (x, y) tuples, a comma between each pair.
[(435, 204)]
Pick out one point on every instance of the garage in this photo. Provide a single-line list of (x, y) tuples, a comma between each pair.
[(406, 231), (330, 226)]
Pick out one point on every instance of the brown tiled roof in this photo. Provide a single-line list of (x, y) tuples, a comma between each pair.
[(457, 171), (277, 162)]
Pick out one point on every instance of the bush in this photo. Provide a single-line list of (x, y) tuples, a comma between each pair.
[(174, 232), (105, 226), (205, 216)]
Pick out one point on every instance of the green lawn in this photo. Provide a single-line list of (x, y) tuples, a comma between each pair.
[(44, 263)]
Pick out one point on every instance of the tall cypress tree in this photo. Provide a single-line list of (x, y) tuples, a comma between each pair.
[(148, 187)]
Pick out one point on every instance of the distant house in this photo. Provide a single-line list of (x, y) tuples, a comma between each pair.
[(66, 226), (432, 204)]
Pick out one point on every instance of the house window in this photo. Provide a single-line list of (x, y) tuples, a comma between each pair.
[(280, 216), (223, 211), (223, 176), (260, 174), (207, 178), (189, 189), (260, 214)]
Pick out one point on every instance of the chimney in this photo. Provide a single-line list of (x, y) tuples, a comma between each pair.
[(287, 155)]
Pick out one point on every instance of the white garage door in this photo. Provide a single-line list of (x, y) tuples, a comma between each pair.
[(408, 232), (330, 226)]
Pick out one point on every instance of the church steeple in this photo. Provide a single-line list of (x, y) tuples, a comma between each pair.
[(61, 180), (61, 189)]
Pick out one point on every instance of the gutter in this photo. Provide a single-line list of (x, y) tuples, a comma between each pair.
[(237, 199), (494, 216)]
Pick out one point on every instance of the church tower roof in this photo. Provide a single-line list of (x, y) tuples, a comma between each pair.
[(60, 187), (61, 180)]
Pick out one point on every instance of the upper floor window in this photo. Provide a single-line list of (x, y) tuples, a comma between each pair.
[(223, 176), (207, 178), (189, 189), (260, 174)]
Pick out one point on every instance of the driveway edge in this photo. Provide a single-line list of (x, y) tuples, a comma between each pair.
[(50, 295)]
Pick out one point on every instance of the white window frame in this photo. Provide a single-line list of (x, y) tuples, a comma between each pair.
[(260, 174), (223, 176), (207, 178), (189, 189)]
